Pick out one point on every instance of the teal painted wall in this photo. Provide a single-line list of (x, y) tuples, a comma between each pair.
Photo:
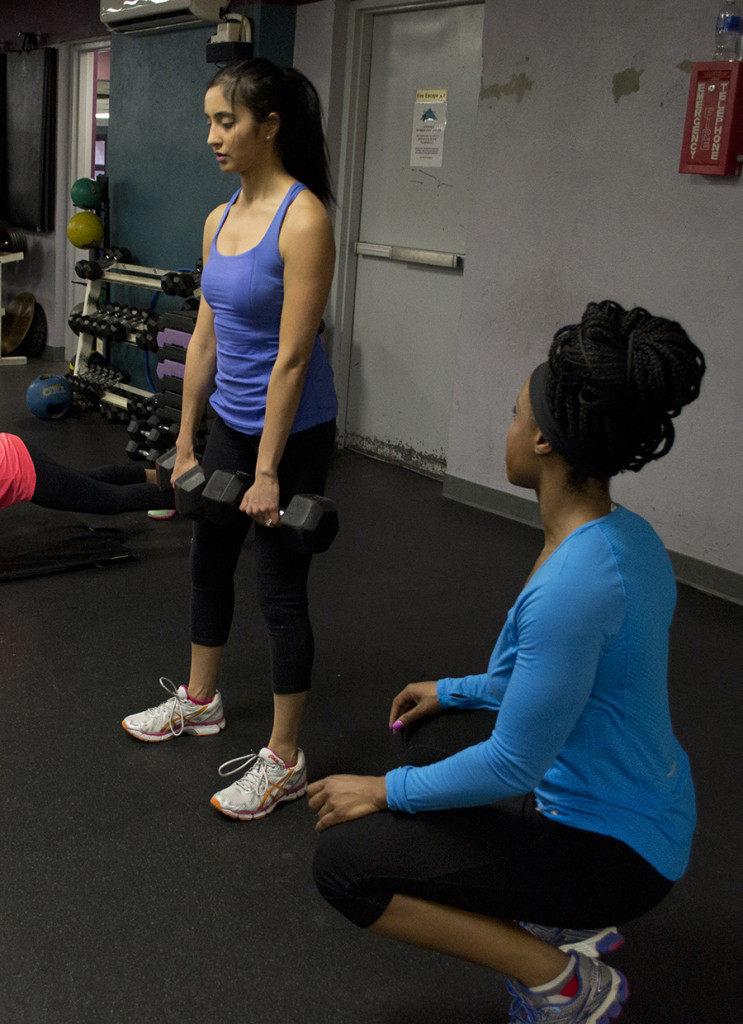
[(273, 31), (163, 178), (163, 181)]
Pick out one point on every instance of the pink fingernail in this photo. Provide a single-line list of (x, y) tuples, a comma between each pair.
[(397, 726)]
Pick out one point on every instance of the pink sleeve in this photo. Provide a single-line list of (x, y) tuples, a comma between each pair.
[(17, 473)]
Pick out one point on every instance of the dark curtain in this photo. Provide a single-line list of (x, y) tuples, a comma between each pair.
[(28, 132), (3, 141)]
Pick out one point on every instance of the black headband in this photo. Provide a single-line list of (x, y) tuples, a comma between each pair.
[(565, 446), (540, 405)]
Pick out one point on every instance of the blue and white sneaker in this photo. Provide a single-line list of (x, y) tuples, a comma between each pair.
[(576, 940), (601, 992)]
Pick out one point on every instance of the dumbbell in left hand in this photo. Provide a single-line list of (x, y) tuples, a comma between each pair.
[(309, 523)]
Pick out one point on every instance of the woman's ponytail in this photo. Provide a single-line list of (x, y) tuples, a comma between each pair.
[(301, 140)]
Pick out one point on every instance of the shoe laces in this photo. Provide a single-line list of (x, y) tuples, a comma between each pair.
[(255, 768), (521, 1010), (173, 706)]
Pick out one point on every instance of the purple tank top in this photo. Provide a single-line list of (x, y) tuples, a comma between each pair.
[(246, 294)]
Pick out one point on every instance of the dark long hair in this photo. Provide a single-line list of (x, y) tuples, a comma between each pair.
[(264, 88), (615, 383)]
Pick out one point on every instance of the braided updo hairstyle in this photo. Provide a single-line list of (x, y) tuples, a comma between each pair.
[(615, 383)]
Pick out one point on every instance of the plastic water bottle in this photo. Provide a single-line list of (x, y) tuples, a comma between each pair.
[(728, 33)]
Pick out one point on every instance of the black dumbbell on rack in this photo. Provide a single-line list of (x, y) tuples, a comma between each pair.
[(114, 322), (107, 376), (93, 270), (84, 323), (119, 253), (140, 407), (180, 282), (135, 428), (309, 523), (118, 324), (158, 431), (146, 331), (110, 413), (140, 454), (79, 323)]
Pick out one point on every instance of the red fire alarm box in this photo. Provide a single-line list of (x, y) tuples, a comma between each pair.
[(713, 132)]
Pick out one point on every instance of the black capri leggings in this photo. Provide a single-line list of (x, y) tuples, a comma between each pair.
[(108, 490), (281, 574), (505, 860)]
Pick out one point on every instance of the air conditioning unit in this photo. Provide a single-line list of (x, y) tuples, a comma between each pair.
[(139, 16)]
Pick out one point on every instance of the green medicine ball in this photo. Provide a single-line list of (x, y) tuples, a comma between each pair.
[(86, 194)]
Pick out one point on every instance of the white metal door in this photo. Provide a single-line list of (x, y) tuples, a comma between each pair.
[(410, 244)]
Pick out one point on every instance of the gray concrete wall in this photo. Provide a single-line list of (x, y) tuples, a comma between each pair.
[(577, 197)]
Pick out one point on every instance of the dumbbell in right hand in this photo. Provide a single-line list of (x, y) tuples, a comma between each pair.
[(188, 487)]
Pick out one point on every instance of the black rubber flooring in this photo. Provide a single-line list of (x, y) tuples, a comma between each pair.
[(124, 897)]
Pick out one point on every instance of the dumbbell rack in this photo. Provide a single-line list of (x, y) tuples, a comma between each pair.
[(124, 274)]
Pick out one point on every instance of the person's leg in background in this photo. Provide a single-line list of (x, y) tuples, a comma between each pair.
[(108, 490)]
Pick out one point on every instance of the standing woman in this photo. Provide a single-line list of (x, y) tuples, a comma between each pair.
[(268, 265), (577, 809)]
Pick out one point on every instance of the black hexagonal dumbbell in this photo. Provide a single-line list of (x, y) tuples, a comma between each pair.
[(181, 282), (188, 487), (308, 524), (164, 466)]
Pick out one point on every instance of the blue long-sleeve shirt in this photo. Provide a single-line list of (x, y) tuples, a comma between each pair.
[(579, 679)]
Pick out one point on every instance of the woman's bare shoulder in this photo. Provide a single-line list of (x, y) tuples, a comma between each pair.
[(307, 214)]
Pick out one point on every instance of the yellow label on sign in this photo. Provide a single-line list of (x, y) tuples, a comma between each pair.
[(430, 95)]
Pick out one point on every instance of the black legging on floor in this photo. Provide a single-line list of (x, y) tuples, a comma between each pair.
[(108, 490), (505, 860)]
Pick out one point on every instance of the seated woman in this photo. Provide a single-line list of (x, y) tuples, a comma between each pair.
[(28, 474), (578, 809)]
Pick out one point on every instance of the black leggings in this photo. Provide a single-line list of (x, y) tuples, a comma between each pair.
[(506, 860), (108, 490), (281, 574)]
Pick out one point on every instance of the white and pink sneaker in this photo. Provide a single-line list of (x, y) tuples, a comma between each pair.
[(267, 781), (175, 716)]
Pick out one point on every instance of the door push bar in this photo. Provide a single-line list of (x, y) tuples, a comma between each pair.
[(401, 254)]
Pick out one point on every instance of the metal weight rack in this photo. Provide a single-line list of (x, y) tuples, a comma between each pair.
[(117, 394)]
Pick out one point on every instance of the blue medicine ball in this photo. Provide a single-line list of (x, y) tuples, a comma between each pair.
[(49, 397)]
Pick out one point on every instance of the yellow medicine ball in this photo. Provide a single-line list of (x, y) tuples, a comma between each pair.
[(85, 230)]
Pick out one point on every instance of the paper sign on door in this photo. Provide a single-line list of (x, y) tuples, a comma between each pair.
[(429, 125)]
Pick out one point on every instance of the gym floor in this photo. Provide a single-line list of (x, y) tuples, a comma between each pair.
[(127, 898)]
